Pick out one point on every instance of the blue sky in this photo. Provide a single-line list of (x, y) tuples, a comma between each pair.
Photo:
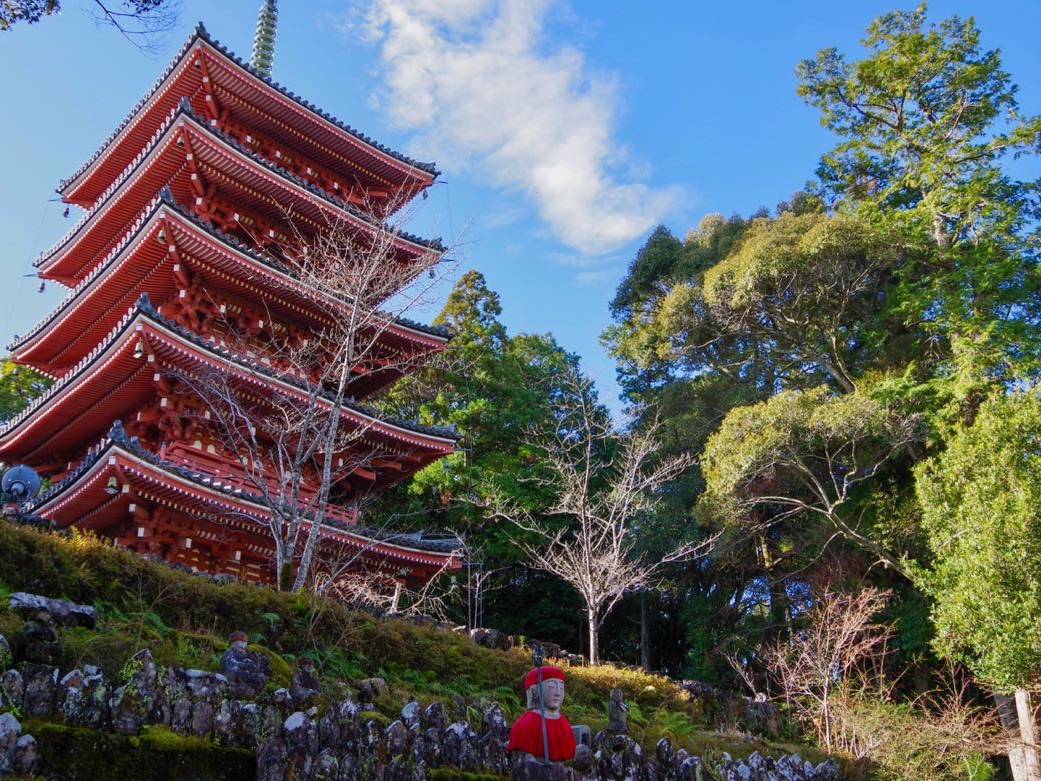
[(565, 131)]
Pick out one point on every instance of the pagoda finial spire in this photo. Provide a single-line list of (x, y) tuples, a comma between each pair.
[(264, 39)]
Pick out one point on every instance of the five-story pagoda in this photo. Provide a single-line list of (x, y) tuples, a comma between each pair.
[(196, 315)]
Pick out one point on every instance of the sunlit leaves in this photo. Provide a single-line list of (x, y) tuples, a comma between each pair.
[(981, 507)]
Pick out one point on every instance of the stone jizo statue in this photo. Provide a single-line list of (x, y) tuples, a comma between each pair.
[(617, 713), (526, 735)]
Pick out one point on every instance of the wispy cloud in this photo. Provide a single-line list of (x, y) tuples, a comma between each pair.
[(475, 80), (595, 278)]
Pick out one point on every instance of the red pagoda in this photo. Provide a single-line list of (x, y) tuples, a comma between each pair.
[(184, 243)]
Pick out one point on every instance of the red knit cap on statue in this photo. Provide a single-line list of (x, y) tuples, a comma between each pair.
[(547, 672)]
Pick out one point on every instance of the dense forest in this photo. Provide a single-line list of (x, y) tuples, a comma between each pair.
[(841, 393), (826, 486)]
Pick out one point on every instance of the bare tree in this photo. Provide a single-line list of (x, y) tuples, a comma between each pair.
[(299, 449), (838, 638), (341, 578), (830, 673), (603, 484), (142, 22)]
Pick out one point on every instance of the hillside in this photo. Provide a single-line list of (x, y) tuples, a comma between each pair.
[(184, 621)]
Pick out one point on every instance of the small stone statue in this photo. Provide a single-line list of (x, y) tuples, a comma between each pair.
[(247, 671), (542, 718), (304, 686), (617, 710), (38, 641)]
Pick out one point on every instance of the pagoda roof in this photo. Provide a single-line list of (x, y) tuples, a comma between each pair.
[(82, 498), (165, 163), (203, 63), (142, 264), (116, 378)]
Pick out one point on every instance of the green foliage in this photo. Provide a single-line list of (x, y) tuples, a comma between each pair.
[(18, 384), (980, 503), (926, 117), (495, 388), (901, 742), (801, 453), (30, 11)]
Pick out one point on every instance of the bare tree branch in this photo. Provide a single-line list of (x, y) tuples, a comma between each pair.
[(603, 487)]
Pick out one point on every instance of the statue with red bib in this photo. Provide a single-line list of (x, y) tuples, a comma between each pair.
[(542, 733)]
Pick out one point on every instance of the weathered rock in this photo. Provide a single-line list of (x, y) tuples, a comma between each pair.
[(61, 611), (402, 768), (371, 736), (140, 700), (491, 638), (83, 699), (326, 767), (304, 685), (301, 738), (205, 689), (245, 724), (300, 732), (359, 768), (533, 770), (10, 731), (274, 714), (397, 739), (272, 761), (689, 768), (434, 716), (179, 701), (495, 732), (26, 756), (620, 758), (584, 761), (144, 676), (761, 717), (247, 671), (410, 714), (41, 687), (222, 721), (329, 732), (459, 746), (127, 710), (12, 689)]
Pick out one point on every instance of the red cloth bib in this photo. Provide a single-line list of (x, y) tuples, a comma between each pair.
[(526, 735)]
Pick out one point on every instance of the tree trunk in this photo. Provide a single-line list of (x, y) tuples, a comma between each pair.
[(645, 632), (594, 639), (1007, 715), (1027, 713)]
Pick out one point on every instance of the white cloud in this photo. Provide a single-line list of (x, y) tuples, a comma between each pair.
[(471, 77)]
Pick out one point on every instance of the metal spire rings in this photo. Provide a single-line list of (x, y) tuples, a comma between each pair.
[(264, 39)]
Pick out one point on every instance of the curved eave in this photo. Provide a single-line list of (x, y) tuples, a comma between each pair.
[(142, 264), (84, 501), (111, 383), (163, 162), (183, 79)]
